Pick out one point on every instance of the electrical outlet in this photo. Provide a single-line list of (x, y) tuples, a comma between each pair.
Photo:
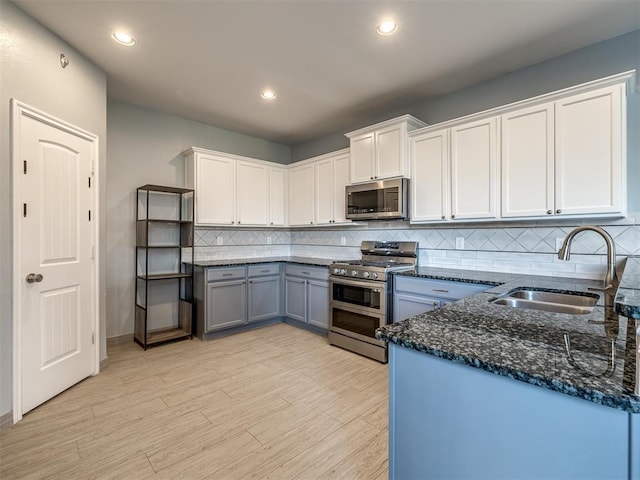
[(219, 240), (268, 240), (559, 242), (343, 240), (459, 243)]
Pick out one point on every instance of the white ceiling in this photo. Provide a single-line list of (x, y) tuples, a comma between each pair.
[(207, 60)]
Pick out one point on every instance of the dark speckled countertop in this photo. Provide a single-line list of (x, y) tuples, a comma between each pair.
[(530, 345), (235, 262)]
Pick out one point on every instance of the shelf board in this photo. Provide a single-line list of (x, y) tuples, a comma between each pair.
[(164, 246), (164, 276), (164, 189), (160, 220), (166, 334)]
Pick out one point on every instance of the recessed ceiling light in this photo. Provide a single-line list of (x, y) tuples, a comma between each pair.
[(387, 27), (123, 39), (268, 94)]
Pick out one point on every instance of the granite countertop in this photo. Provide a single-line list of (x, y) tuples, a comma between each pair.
[(530, 345), (234, 262)]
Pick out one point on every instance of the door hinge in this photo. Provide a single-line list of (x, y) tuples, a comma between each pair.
[(93, 252), (93, 338), (24, 209), (25, 167), (93, 167)]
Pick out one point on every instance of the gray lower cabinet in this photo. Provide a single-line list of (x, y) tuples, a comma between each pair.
[(307, 295), (318, 303), (264, 298), (295, 293), (227, 304), (416, 295), (234, 296)]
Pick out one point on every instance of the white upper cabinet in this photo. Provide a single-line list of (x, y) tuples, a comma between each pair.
[(331, 178), (253, 193), (560, 155), (235, 191), (381, 151), (362, 158), (474, 163), (214, 179), (590, 160), (278, 189), (341, 176), (565, 158), (301, 195), (528, 162), (429, 185)]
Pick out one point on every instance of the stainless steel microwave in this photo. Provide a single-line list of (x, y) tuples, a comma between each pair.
[(381, 200)]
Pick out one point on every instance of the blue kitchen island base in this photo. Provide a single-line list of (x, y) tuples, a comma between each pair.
[(448, 420)]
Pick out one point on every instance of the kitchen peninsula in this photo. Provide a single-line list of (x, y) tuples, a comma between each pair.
[(482, 390)]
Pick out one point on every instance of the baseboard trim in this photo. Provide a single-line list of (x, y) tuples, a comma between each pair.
[(113, 341), (104, 363), (6, 420)]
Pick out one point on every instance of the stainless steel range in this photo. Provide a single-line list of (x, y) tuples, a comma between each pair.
[(361, 295)]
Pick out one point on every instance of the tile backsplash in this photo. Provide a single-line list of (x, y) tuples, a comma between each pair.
[(495, 247)]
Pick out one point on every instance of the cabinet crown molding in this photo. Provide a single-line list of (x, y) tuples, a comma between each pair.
[(617, 79), (411, 121)]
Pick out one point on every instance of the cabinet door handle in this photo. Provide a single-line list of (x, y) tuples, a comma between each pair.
[(558, 211), (440, 290), (238, 222), (453, 216), (435, 304), (227, 274), (305, 273), (443, 217), (232, 222), (370, 178), (549, 212), (264, 271)]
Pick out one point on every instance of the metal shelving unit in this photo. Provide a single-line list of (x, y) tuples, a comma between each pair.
[(164, 229)]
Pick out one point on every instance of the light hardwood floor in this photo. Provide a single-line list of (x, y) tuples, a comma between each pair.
[(273, 403)]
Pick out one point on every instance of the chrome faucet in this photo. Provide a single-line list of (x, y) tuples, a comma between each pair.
[(610, 279)]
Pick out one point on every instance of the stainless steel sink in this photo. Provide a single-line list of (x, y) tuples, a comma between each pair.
[(576, 303)]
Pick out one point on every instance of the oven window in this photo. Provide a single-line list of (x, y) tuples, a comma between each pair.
[(355, 322), (363, 296)]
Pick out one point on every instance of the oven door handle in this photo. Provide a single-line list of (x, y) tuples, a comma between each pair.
[(376, 287)]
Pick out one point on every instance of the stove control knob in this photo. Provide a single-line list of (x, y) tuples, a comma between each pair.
[(374, 275), (343, 271), (354, 273), (336, 271), (366, 274)]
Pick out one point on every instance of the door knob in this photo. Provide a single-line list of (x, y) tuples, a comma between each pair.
[(34, 277)]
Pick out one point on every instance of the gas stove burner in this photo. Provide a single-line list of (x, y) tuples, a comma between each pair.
[(378, 259)]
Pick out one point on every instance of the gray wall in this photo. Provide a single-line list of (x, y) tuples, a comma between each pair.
[(144, 147), (30, 72), (613, 56)]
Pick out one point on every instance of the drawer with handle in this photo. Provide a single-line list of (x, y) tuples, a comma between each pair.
[(218, 274), (317, 273), (264, 269), (438, 288)]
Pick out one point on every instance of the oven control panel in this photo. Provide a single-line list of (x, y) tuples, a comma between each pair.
[(356, 273)]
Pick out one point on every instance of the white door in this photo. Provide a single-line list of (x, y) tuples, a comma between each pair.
[(528, 162), (215, 190), (362, 158), (301, 195), (324, 191), (429, 185), (340, 181), (590, 152), (253, 194), (474, 170), (56, 271), (390, 156)]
